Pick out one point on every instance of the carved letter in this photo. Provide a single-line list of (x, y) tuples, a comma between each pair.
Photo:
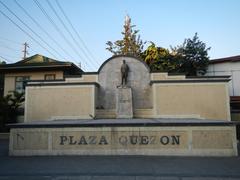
[(123, 140), (152, 140), (71, 140), (164, 140), (103, 140), (133, 139), (63, 139), (175, 140), (82, 141), (92, 140), (144, 140)]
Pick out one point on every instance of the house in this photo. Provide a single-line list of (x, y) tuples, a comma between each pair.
[(229, 66), (36, 67)]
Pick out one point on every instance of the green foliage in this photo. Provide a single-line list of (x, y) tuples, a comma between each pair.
[(1, 84), (16, 100), (9, 106), (131, 44), (160, 59), (194, 56), (189, 58), (1, 79)]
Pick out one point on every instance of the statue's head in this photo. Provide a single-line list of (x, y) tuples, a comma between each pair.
[(124, 61)]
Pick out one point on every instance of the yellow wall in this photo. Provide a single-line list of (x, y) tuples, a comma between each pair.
[(84, 78), (193, 100), (9, 83), (158, 76), (165, 76), (203, 100), (59, 102), (90, 77)]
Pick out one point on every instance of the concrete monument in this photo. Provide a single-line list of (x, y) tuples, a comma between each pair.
[(150, 113), (124, 73), (124, 108)]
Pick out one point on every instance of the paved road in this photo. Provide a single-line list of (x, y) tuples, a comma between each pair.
[(117, 167)]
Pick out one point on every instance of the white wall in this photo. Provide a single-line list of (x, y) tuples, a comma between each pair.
[(227, 68)]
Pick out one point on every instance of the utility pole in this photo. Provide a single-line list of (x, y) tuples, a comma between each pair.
[(25, 52)]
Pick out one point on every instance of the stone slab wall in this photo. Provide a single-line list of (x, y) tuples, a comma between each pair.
[(193, 100), (124, 107), (174, 141), (138, 79), (45, 103)]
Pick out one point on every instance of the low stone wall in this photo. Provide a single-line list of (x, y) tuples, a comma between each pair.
[(51, 101), (153, 140), (191, 99)]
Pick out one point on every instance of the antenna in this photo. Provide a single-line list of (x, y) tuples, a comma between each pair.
[(25, 52)]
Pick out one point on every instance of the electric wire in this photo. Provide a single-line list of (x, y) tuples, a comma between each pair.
[(6, 16), (9, 40), (9, 48), (58, 30), (70, 33), (74, 29), (43, 30), (31, 30), (5, 59), (14, 42), (55, 26), (10, 56)]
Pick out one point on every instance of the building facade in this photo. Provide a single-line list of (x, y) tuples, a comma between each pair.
[(35, 68), (229, 66)]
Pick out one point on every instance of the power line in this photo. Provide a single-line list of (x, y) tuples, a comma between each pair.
[(9, 48), (10, 56), (32, 49), (57, 29), (5, 59), (9, 40), (49, 36), (73, 28), (69, 32), (24, 31), (31, 30)]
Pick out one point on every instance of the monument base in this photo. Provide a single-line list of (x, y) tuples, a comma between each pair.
[(171, 137), (124, 108)]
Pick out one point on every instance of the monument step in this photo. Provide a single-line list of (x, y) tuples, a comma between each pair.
[(111, 113), (105, 113)]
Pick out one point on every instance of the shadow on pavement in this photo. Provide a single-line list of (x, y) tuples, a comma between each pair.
[(4, 147)]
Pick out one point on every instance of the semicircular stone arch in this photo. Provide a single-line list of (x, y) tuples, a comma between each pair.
[(138, 79)]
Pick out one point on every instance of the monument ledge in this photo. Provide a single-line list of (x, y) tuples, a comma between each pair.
[(175, 137)]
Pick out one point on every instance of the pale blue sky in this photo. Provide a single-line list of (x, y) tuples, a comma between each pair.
[(166, 23)]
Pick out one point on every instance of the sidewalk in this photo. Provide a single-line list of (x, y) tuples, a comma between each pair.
[(117, 167)]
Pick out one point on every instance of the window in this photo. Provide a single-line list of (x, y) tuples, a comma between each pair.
[(20, 83), (49, 77)]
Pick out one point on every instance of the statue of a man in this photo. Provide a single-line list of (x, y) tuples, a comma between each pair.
[(124, 73)]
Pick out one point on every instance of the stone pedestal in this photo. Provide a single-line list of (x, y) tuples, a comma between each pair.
[(155, 137), (124, 108)]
